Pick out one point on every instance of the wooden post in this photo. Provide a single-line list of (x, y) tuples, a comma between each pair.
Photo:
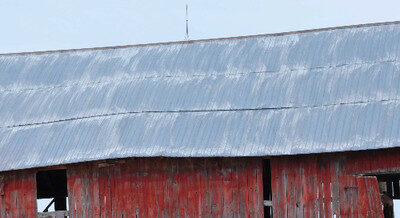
[(1, 185)]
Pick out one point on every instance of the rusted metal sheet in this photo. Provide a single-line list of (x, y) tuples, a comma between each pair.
[(18, 198), (330, 184), (166, 187)]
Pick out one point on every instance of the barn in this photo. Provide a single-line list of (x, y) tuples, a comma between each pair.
[(296, 124)]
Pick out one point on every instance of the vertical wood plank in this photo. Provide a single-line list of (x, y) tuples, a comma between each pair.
[(19, 194), (396, 189), (369, 204), (278, 186), (323, 185), (167, 187)]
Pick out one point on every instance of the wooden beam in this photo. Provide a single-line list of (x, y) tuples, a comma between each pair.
[(55, 214), (1, 185), (396, 189)]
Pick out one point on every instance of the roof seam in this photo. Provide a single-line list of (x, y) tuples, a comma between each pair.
[(130, 79), (199, 111)]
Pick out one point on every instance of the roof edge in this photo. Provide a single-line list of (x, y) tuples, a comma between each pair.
[(206, 40)]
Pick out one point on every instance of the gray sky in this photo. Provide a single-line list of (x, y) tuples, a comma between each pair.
[(27, 25)]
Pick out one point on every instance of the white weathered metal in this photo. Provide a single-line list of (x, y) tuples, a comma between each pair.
[(306, 92)]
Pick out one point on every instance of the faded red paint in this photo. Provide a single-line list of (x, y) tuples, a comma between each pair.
[(18, 197), (326, 184), (150, 187), (302, 185)]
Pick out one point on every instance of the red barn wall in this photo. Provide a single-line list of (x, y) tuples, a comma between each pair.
[(172, 187), (18, 194), (302, 185), (326, 184)]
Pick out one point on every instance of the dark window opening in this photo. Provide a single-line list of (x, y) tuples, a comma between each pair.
[(267, 190), (389, 190), (52, 185)]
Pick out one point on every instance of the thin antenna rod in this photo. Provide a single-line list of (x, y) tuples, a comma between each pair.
[(187, 24)]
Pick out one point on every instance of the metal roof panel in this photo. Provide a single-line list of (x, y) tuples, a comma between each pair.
[(306, 92)]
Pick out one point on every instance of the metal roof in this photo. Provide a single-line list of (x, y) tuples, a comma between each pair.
[(327, 90)]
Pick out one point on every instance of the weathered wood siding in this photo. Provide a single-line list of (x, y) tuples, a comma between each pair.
[(167, 187), (18, 194), (303, 186), (327, 184)]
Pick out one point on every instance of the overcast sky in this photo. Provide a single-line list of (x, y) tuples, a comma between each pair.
[(27, 25)]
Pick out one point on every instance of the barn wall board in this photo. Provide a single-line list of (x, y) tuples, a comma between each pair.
[(303, 185), (330, 184), (18, 194), (167, 187)]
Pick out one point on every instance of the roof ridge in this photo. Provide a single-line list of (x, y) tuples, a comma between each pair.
[(206, 40)]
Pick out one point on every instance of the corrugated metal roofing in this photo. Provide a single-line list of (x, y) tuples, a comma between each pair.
[(306, 92)]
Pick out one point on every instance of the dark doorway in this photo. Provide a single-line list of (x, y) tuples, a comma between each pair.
[(53, 184), (267, 190), (389, 189)]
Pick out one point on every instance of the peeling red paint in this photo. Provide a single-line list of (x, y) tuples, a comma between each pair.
[(19, 195), (326, 184), (303, 186), (151, 187)]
